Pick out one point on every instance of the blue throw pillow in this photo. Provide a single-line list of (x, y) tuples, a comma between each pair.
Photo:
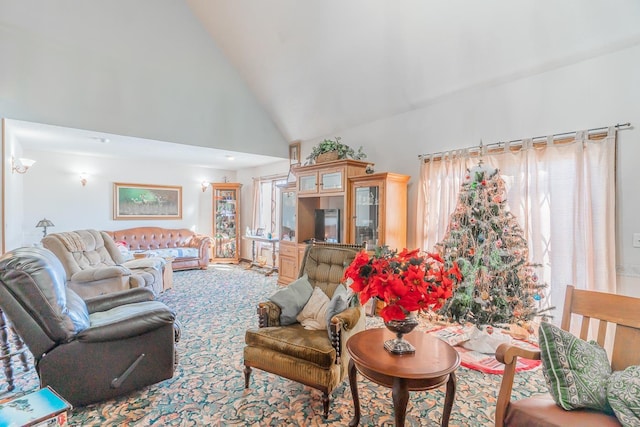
[(339, 302), (292, 299)]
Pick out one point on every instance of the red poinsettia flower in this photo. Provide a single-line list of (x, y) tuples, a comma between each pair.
[(407, 281)]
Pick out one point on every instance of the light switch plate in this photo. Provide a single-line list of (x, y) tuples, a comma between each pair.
[(636, 240)]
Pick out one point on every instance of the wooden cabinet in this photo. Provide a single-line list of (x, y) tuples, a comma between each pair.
[(324, 186), (327, 178), (288, 262), (373, 208), (379, 210), (226, 220)]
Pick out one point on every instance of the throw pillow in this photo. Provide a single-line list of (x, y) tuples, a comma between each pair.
[(623, 392), (576, 371), (339, 302), (292, 299), (314, 314)]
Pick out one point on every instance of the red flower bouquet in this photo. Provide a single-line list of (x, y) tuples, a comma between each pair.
[(405, 281)]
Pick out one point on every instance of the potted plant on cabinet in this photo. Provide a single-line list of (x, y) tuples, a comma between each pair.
[(329, 150)]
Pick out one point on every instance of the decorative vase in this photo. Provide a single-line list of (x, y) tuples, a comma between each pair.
[(399, 345)]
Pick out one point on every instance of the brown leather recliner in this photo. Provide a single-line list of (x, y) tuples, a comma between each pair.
[(89, 350), (94, 265), (308, 356)]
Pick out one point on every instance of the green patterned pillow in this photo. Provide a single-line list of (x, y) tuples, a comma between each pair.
[(623, 392), (576, 371)]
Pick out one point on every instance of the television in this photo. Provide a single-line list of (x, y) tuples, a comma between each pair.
[(327, 225)]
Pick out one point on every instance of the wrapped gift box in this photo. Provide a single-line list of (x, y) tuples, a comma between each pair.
[(40, 408)]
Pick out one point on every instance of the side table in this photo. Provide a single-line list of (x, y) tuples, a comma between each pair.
[(432, 365), (254, 263)]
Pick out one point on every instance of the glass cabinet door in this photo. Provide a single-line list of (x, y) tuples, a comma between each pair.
[(367, 215), (225, 223), (308, 183), (288, 216), (331, 181)]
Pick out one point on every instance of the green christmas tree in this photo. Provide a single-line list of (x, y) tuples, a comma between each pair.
[(499, 284)]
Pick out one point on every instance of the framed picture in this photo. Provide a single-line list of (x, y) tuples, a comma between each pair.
[(143, 201), (294, 153)]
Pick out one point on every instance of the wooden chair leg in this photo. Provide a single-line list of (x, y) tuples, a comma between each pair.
[(325, 403), (247, 375)]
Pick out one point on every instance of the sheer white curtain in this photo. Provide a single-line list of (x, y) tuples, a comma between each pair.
[(563, 195), (257, 205)]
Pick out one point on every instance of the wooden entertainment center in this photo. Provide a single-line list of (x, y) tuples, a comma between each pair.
[(372, 208)]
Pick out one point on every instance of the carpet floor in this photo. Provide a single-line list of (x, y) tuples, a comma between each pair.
[(215, 307)]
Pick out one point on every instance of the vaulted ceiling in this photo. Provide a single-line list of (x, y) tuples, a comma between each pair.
[(321, 66), (316, 67)]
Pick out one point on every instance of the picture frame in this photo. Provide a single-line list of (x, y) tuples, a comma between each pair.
[(146, 201), (294, 153)]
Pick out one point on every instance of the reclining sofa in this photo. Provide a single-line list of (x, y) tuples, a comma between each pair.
[(94, 265), (87, 350)]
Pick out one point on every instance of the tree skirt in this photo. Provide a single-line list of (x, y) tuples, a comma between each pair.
[(456, 335)]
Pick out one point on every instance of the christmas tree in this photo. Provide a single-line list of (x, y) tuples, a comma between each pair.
[(499, 284)]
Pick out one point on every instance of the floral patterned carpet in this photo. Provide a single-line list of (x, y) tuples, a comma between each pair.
[(215, 308)]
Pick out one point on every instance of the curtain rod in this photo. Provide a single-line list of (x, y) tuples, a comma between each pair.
[(269, 177), (438, 155)]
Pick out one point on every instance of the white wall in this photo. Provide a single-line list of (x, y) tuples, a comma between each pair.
[(595, 92), (52, 189), (146, 69), (12, 190)]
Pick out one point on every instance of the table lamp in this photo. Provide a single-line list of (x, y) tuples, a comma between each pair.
[(44, 223)]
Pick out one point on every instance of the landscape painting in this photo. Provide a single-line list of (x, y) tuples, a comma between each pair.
[(143, 201)]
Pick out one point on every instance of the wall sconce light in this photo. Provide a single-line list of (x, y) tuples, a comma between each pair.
[(83, 178), (44, 223), (204, 185), (21, 165)]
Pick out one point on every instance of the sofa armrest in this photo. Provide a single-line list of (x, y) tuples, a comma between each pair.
[(268, 314), (198, 241), (203, 243), (93, 274), (141, 263), (130, 321), (115, 299), (344, 325), (348, 318), (508, 354)]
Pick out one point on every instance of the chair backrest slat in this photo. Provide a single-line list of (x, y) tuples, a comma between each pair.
[(621, 311), (602, 332), (584, 328), (626, 348)]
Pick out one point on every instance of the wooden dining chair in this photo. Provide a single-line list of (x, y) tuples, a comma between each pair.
[(597, 310)]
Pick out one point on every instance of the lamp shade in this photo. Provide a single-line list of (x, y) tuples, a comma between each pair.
[(45, 223)]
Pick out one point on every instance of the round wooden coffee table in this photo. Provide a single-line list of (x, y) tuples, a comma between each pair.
[(432, 365)]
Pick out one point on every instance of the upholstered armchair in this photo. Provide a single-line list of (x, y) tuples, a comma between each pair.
[(599, 312), (86, 350), (94, 265), (316, 358)]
